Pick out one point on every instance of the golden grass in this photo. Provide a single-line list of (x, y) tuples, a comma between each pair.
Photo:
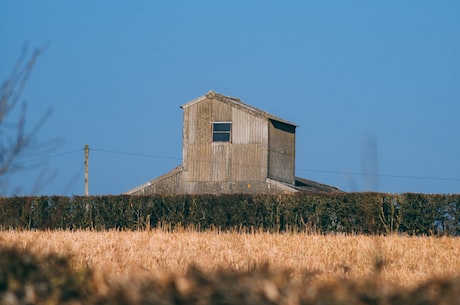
[(406, 261)]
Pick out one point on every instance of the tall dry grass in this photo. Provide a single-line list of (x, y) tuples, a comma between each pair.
[(402, 260)]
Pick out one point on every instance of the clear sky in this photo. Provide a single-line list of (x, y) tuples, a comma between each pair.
[(374, 86)]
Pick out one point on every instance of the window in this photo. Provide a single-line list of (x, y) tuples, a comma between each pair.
[(222, 132)]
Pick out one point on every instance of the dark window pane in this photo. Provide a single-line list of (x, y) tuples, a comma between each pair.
[(222, 126), (221, 132), (221, 137)]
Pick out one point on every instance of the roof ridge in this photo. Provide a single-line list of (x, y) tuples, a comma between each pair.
[(214, 95)]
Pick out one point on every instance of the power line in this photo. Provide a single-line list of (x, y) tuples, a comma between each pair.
[(134, 154), (299, 169), (379, 175), (47, 157), (243, 165), (74, 180)]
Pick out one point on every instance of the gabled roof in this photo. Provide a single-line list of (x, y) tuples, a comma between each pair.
[(236, 103)]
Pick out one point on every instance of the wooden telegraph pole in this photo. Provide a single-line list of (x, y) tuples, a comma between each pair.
[(86, 169)]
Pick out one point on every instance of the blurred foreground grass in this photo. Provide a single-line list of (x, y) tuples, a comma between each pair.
[(29, 276)]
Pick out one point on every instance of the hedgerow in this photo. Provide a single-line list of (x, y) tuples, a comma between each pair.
[(357, 213)]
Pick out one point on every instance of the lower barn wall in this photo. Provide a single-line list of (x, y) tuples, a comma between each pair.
[(239, 187), (172, 183)]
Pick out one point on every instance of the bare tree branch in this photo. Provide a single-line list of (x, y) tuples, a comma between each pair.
[(16, 141)]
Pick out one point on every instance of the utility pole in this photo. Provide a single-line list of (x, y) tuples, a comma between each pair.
[(86, 169)]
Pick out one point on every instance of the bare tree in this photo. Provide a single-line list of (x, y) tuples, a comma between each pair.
[(17, 141)]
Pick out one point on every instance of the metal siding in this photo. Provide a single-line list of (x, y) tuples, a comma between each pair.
[(185, 137), (250, 145), (221, 159), (203, 119), (248, 129), (245, 158), (220, 155), (222, 112), (281, 154), (198, 158), (191, 124), (199, 163), (249, 162), (261, 147), (242, 187), (199, 122)]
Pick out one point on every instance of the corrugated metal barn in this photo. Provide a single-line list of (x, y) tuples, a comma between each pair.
[(231, 147)]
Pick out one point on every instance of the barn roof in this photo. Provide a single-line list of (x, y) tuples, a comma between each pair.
[(238, 104)]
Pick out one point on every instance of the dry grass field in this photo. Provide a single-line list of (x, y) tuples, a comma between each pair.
[(402, 261)]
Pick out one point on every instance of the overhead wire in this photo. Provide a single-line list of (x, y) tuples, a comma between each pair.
[(378, 175), (76, 178), (335, 172), (47, 157), (134, 154)]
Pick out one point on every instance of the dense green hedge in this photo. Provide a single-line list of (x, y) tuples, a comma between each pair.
[(367, 213)]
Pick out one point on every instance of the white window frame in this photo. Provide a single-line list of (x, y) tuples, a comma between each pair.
[(221, 132)]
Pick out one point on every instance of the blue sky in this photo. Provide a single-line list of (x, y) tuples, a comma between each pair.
[(373, 86)]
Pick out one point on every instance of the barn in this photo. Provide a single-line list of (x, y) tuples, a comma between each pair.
[(230, 147)]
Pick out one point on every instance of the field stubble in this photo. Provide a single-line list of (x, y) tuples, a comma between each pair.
[(401, 261)]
